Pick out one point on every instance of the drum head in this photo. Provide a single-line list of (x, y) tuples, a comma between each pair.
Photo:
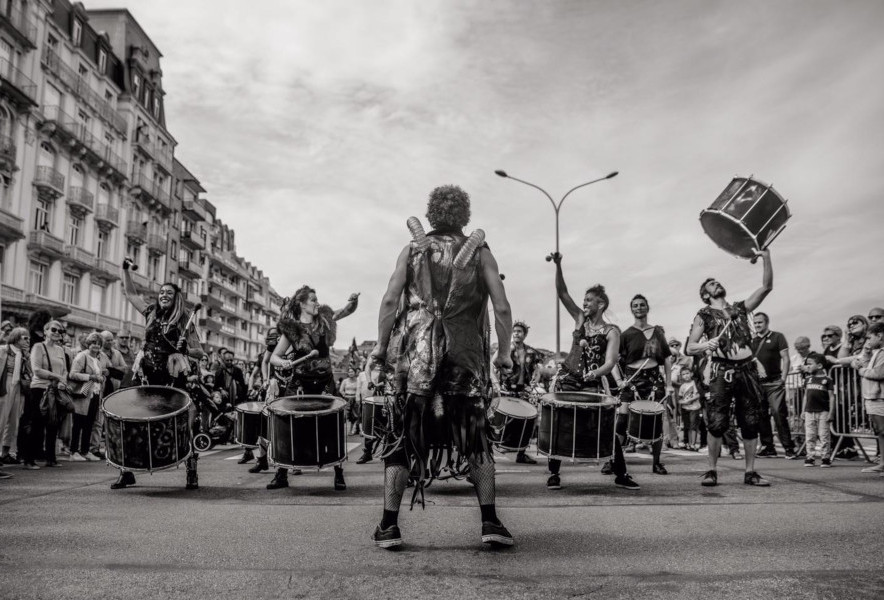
[(306, 404), (646, 407), (379, 400), (513, 407), (250, 407), (145, 403), (745, 217), (728, 233), (578, 398)]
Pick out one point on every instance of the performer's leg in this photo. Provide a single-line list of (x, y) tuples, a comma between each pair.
[(192, 478), (493, 531), (656, 449), (718, 418), (387, 534), (280, 480), (340, 484), (125, 478), (368, 448), (261, 453), (748, 396)]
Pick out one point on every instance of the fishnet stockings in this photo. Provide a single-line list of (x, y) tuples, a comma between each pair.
[(482, 474), (395, 479)]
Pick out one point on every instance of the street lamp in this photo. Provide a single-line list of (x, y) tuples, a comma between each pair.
[(556, 208)]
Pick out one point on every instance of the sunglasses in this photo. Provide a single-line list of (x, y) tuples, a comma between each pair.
[(852, 323), (675, 345), (123, 337), (828, 335), (55, 330), (875, 317)]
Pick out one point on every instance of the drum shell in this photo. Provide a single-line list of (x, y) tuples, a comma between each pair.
[(576, 428), (147, 428), (251, 423), (645, 421), (307, 438), (374, 417), (512, 431)]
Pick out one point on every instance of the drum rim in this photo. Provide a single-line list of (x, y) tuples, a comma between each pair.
[(337, 406), (519, 401), (151, 470), (108, 413), (370, 400), (642, 412), (260, 410), (573, 459)]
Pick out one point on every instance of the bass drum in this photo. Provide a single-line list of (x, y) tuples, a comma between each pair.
[(307, 431), (577, 425), (251, 423), (374, 417), (512, 422), (147, 428)]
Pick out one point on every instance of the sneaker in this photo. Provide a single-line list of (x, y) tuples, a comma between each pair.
[(31, 466), (627, 483), (126, 478), (366, 457), (524, 459), (554, 482), (827, 462), (874, 469), (11, 460), (260, 465), (660, 469), (64, 451), (246, 457), (5, 475), (790, 455), (496, 534), (767, 453), (280, 480), (99, 455), (77, 457), (608, 468), (387, 538), (736, 455), (809, 462), (710, 478), (340, 484), (753, 478)]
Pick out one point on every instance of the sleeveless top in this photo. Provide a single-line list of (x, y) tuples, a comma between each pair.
[(160, 339), (440, 341), (580, 359), (738, 335)]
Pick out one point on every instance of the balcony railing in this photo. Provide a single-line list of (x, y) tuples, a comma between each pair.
[(194, 209), (107, 215), (190, 267), (191, 239), (25, 88), (71, 129), (107, 269), (80, 257), (11, 226), (49, 182), (7, 151), (156, 243), (19, 24), (136, 231), (228, 329), (45, 242), (143, 143), (81, 199)]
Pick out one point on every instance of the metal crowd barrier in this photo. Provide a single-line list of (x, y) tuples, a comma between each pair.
[(850, 419)]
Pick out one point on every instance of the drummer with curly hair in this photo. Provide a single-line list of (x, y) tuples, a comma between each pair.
[(308, 330), (436, 352), (163, 358)]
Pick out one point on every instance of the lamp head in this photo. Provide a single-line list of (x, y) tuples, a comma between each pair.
[(612, 174), (501, 173)]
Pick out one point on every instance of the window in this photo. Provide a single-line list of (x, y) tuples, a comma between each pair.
[(77, 32), (70, 289), (156, 107), (83, 71), (136, 85), (2, 262), (153, 268), (83, 117), (133, 251), (102, 244), (42, 215), (102, 62), (51, 42), (37, 278), (98, 297), (75, 230), (109, 97), (173, 248)]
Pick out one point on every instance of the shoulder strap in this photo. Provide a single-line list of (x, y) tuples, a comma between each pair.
[(46, 356)]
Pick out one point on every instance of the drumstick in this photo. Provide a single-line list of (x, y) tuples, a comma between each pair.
[(190, 321)]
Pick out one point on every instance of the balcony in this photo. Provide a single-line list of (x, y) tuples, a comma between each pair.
[(45, 244), (156, 243), (81, 201), (143, 143), (225, 328), (150, 192), (163, 156), (192, 240), (7, 154), (107, 216), (211, 324), (76, 135), (190, 269), (13, 83), (141, 282), (12, 228), (49, 183), (136, 232), (192, 298), (80, 258), (194, 209), (19, 26), (227, 285), (106, 270), (258, 298), (225, 259)]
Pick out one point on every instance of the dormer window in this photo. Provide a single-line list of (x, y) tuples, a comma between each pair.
[(102, 62), (77, 32)]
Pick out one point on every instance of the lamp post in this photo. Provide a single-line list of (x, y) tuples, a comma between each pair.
[(556, 208)]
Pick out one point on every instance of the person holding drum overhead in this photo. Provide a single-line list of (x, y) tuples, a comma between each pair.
[(523, 377), (308, 331), (437, 351), (594, 353), (167, 341), (734, 375), (643, 353)]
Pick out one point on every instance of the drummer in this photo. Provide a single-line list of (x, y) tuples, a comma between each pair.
[(588, 366), (643, 353), (304, 327), (162, 360), (734, 375), (269, 391), (523, 377)]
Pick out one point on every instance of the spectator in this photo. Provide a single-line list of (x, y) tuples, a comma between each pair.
[(36, 323), (689, 404), (870, 365), (5, 330), (819, 404), (124, 338), (876, 315), (831, 337), (854, 340), (14, 382), (680, 363), (231, 380), (772, 353), (87, 383), (113, 362), (48, 367), (348, 389)]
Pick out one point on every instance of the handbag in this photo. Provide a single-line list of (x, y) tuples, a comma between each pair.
[(55, 403)]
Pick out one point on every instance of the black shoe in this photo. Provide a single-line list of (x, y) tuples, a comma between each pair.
[(11, 460), (627, 483), (790, 455), (827, 462), (710, 478), (753, 478), (246, 457), (366, 457), (280, 480), (193, 481), (387, 538), (767, 452), (659, 469), (126, 478), (809, 462), (261, 465), (340, 484), (554, 482), (496, 534), (608, 468), (524, 459)]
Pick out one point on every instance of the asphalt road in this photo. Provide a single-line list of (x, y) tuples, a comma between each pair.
[(816, 533)]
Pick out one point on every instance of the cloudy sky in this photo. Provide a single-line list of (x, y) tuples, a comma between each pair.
[(319, 127)]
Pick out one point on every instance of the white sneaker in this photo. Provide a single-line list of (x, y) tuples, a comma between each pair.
[(875, 469), (77, 457), (87, 457)]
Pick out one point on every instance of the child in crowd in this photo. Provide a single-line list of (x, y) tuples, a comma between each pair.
[(689, 403), (819, 403), (870, 364)]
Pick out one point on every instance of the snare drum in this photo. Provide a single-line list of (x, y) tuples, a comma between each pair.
[(745, 217), (374, 417), (512, 422), (645, 421), (577, 425), (147, 428), (251, 423), (307, 431)]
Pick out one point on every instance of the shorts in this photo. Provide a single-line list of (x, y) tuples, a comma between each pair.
[(734, 384), (645, 384)]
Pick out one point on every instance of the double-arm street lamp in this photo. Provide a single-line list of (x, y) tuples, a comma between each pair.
[(556, 208)]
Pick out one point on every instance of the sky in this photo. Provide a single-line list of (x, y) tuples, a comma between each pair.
[(318, 128)]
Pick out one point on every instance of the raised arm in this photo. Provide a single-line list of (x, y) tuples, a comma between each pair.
[(754, 301), (389, 304), (562, 290), (503, 318), (132, 295), (349, 308)]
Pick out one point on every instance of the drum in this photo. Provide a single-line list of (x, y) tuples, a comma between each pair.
[(745, 217), (645, 422), (374, 417), (307, 431), (251, 423), (512, 422), (577, 425), (147, 428)]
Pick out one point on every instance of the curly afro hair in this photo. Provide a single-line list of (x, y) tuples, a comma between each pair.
[(448, 207)]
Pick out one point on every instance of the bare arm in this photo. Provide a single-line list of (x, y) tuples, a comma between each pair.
[(503, 318), (612, 354), (389, 304), (278, 359), (348, 309), (694, 346), (785, 361), (754, 301), (265, 366), (132, 295), (565, 297)]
